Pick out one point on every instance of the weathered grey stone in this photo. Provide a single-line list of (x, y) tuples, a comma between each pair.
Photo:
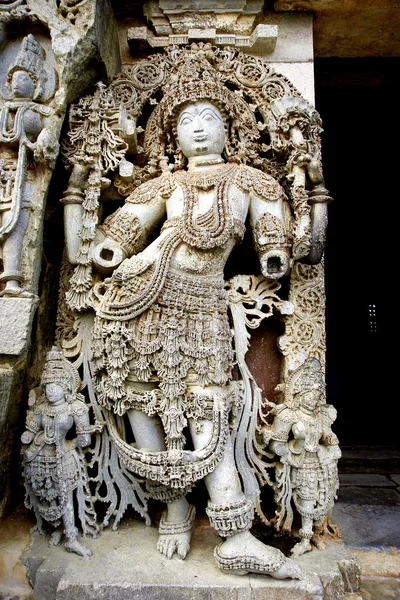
[(365, 479), (11, 378), (16, 316), (364, 525), (351, 574), (351, 28), (363, 495), (395, 478), (125, 567)]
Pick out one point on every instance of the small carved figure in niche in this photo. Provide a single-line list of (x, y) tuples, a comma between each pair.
[(308, 452), (22, 130), (54, 466)]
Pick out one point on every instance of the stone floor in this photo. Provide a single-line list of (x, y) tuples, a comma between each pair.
[(367, 512), (368, 516)]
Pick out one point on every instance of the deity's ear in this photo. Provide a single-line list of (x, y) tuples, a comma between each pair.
[(39, 89)]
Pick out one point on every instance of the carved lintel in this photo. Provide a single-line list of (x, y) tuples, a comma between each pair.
[(261, 41)]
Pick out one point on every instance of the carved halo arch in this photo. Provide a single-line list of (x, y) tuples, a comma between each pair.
[(258, 102)]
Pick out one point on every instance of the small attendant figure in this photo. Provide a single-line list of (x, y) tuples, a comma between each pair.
[(54, 466)]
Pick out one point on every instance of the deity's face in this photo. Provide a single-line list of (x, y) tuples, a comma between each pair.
[(55, 393), (200, 129), (311, 399), (22, 85)]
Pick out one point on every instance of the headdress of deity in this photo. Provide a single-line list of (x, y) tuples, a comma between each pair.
[(59, 370), (30, 58), (194, 79), (307, 378)]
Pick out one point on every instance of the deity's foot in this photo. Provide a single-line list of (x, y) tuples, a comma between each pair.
[(74, 546), (56, 538), (37, 530), (175, 537), (301, 547), (243, 553)]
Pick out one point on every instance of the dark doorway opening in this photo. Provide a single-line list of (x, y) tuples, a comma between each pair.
[(358, 102)]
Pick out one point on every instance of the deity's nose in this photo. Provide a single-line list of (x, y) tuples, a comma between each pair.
[(198, 123)]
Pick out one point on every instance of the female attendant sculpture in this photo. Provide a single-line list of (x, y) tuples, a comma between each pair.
[(161, 341), (308, 451), (22, 131), (54, 466)]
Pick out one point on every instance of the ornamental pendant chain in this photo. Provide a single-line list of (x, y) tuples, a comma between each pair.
[(216, 226)]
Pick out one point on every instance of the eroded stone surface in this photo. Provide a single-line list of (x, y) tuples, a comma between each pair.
[(121, 568), (16, 316)]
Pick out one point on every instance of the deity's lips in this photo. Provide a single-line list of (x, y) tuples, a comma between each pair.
[(200, 138)]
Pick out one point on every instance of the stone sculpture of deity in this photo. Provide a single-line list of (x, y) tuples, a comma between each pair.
[(161, 350), (54, 465), (22, 132), (307, 452)]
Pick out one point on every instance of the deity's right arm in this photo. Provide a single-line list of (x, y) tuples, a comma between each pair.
[(124, 232), (33, 425), (277, 435)]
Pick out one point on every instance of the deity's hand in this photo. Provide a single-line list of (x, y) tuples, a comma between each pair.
[(299, 431), (275, 264), (27, 437), (280, 448), (46, 148), (108, 255)]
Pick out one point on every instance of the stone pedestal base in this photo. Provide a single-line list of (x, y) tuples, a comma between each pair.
[(125, 566)]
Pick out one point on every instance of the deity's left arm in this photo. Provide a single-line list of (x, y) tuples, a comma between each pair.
[(328, 416), (270, 219), (82, 424)]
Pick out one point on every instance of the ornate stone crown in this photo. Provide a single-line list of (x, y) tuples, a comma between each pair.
[(194, 79), (30, 58), (59, 370), (308, 377)]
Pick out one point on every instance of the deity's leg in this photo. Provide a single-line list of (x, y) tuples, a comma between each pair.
[(56, 537), (319, 528), (306, 531), (231, 514), (176, 523), (12, 254), (70, 531)]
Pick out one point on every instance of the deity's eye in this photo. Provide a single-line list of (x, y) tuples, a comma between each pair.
[(208, 117), (185, 121)]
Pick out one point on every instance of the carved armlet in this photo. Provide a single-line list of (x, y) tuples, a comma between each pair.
[(125, 230), (31, 424), (270, 233), (163, 186), (280, 436), (264, 186)]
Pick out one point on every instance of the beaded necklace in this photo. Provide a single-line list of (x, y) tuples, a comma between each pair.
[(215, 227)]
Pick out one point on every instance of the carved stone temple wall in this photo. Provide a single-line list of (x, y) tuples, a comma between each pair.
[(179, 336)]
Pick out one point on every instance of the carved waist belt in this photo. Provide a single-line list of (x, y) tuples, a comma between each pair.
[(194, 293)]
